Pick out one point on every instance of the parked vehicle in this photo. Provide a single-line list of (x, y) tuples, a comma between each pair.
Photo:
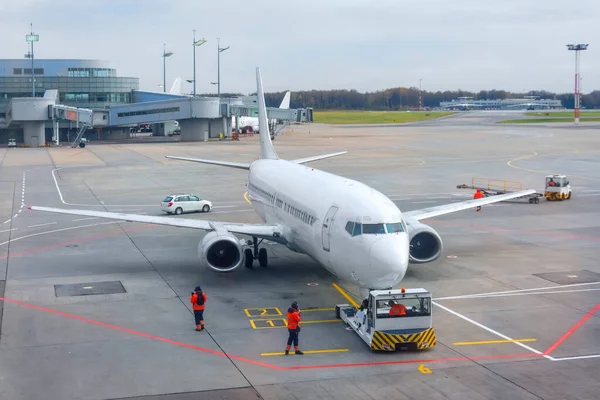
[(180, 203)]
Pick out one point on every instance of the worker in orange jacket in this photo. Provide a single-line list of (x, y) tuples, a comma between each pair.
[(293, 325), (397, 309), (478, 195), (198, 299)]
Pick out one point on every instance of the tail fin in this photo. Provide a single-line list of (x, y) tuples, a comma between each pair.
[(285, 103), (266, 146), (176, 88)]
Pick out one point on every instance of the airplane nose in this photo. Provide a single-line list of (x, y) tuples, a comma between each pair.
[(389, 260)]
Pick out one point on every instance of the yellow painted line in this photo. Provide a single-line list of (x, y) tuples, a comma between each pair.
[(346, 295), (307, 352), (246, 198), (494, 342), (509, 163), (317, 309)]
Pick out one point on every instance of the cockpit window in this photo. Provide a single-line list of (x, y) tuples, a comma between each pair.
[(357, 229), (395, 227), (350, 227), (372, 229)]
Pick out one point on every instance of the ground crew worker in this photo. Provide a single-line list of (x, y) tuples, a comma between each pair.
[(198, 299), (478, 195), (396, 309), (294, 317)]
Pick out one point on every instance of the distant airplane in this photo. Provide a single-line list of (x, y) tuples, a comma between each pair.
[(253, 122), (350, 229), (176, 88)]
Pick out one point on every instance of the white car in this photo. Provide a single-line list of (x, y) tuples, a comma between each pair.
[(180, 203), (12, 142)]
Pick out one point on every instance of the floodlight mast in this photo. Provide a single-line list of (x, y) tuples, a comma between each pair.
[(32, 38), (165, 55), (577, 107), (195, 44)]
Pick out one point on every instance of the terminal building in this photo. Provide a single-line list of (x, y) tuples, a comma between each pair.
[(62, 100), (526, 103)]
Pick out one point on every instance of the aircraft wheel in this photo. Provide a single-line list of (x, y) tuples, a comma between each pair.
[(249, 258), (530, 200), (536, 200), (262, 257), (178, 211)]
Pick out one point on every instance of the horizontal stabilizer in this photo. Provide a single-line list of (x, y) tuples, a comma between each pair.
[(315, 158), (214, 162)]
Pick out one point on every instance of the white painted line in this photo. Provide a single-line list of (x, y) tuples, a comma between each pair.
[(15, 216), (489, 329), (521, 290), (83, 219), (422, 202), (575, 357), (224, 206), (7, 221), (34, 226), (57, 230), (8, 230), (520, 294)]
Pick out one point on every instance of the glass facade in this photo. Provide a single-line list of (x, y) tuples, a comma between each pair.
[(91, 91)]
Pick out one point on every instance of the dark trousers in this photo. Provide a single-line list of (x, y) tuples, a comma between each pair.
[(199, 316), (293, 337)]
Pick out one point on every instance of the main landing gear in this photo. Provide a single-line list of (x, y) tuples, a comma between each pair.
[(260, 254)]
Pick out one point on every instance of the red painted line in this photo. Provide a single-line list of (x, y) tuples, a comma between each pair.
[(537, 233), (132, 332), (85, 239), (254, 362), (572, 330)]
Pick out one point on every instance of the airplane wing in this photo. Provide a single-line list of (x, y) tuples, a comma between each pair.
[(430, 212), (270, 232), (221, 163), (315, 158)]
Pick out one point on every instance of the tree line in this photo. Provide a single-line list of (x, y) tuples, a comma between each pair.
[(405, 98)]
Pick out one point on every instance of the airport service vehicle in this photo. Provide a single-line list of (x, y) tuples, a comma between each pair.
[(495, 187), (184, 203), (352, 230), (384, 332), (12, 142), (557, 187)]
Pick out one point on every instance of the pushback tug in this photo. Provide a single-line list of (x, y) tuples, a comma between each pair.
[(384, 330)]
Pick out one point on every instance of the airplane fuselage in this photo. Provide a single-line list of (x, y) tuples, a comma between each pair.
[(313, 209)]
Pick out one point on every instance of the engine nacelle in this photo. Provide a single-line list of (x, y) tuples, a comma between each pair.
[(221, 252), (425, 244)]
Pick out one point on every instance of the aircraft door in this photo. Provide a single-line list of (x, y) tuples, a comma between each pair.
[(326, 230)]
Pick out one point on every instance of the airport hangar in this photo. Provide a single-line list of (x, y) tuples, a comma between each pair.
[(72, 96)]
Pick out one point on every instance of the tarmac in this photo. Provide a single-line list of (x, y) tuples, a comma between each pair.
[(99, 309)]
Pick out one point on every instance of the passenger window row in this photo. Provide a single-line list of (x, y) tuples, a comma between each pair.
[(356, 228), (279, 203)]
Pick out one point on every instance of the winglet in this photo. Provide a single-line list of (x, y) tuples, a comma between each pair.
[(267, 151)]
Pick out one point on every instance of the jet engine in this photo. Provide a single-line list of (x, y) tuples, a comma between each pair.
[(425, 244), (222, 252)]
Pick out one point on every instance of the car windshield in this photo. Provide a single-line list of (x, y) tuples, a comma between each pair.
[(167, 199)]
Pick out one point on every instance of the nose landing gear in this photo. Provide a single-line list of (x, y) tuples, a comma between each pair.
[(259, 254)]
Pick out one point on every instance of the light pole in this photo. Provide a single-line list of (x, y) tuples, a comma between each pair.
[(420, 104), (219, 51), (196, 44), (165, 55), (577, 107), (32, 38)]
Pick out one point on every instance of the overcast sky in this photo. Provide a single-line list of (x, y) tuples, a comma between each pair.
[(366, 45)]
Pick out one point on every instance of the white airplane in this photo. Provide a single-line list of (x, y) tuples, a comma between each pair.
[(352, 230), (254, 121)]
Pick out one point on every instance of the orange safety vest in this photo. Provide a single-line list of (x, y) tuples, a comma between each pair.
[(398, 309), (293, 320), (193, 299), (478, 195)]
